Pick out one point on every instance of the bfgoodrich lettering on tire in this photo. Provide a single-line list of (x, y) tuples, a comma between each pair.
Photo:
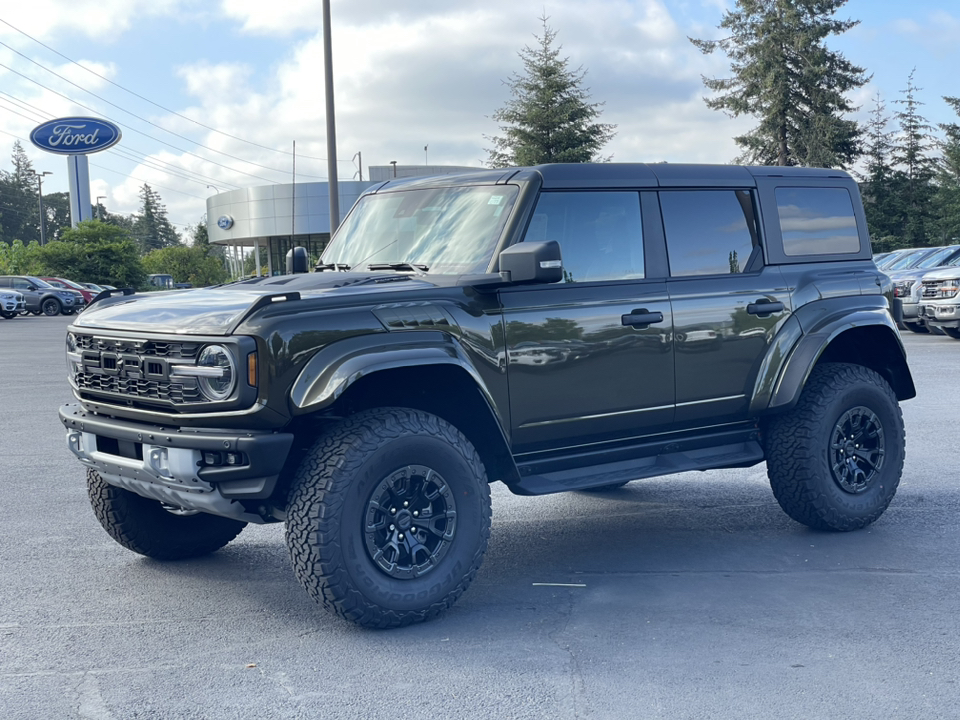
[(834, 461), (389, 517)]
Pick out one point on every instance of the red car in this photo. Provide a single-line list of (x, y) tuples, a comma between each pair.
[(88, 295)]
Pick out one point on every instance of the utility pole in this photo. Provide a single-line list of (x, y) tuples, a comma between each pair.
[(43, 231), (100, 214), (331, 122)]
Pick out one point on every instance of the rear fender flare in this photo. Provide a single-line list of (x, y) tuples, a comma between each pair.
[(826, 329)]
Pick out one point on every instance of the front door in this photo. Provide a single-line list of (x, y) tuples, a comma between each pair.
[(589, 359)]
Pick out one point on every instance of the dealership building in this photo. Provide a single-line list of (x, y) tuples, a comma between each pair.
[(283, 216)]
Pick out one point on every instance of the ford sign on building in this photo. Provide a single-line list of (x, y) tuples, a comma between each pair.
[(75, 135)]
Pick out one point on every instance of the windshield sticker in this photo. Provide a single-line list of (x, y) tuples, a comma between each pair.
[(495, 200)]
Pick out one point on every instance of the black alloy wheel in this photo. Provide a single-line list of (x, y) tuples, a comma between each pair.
[(857, 450), (50, 307), (411, 521)]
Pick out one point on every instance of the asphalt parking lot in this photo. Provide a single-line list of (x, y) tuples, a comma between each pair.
[(694, 596)]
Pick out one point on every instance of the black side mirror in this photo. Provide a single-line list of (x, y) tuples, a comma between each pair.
[(296, 260), (31, 287), (532, 262)]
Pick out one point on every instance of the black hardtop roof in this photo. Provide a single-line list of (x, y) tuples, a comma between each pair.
[(587, 175)]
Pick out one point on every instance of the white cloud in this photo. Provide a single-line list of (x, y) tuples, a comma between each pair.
[(100, 19)]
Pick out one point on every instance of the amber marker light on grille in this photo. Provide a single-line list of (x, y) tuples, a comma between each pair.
[(252, 369)]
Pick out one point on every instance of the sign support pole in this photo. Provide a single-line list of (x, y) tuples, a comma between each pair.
[(78, 170)]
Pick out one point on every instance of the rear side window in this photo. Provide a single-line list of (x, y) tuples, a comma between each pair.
[(709, 232), (600, 233), (817, 221)]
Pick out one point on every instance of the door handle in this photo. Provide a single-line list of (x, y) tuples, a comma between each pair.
[(641, 318), (764, 308)]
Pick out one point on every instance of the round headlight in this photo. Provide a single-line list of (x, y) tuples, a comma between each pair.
[(217, 387)]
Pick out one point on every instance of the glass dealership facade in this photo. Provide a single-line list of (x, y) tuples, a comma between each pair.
[(280, 217)]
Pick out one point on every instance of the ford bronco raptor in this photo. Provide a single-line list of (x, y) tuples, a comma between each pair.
[(554, 328)]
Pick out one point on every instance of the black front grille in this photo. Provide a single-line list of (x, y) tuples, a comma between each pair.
[(183, 391), (136, 371), (149, 348)]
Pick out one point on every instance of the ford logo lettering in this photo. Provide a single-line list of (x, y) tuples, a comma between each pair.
[(75, 135), (225, 222)]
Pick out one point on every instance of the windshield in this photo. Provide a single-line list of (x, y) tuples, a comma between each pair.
[(907, 261), (38, 282), (936, 259), (444, 230)]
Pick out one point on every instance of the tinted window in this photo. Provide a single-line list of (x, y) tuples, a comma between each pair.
[(817, 221), (709, 232), (21, 284), (600, 234)]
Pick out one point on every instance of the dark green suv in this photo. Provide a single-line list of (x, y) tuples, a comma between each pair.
[(555, 328)]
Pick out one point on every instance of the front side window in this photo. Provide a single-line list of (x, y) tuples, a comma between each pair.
[(446, 230), (709, 232), (817, 221), (600, 233)]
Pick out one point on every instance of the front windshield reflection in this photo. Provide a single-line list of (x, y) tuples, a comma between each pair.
[(448, 230)]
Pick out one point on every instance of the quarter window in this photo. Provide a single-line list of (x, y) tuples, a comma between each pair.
[(817, 221), (600, 233), (709, 232)]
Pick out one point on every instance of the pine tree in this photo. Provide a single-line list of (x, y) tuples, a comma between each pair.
[(152, 228), (19, 211), (880, 201), (549, 117), (784, 75), (916, 169), (947, 199)]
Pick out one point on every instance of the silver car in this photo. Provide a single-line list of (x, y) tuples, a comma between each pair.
[(11, 303)]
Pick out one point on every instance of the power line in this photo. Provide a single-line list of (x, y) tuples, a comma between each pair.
[(132, 114), (144, 157), (140, 132), (155, 104)]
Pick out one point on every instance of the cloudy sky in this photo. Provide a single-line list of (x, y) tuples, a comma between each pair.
[(214, 92)]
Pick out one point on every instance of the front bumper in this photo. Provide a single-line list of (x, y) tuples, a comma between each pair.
[(941, 315), (12, 305), (172, 465)]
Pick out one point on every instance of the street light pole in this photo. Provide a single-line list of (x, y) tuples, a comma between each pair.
[(331, 120), (39, 177), (100, 214)]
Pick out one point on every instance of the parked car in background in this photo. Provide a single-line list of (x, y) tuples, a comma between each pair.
[(11, 303), (909, 260), (161, 280), (42, 297), (86, 293), (908, 284), (940, 300), (891, 257)]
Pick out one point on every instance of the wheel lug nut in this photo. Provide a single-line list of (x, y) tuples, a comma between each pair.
[(401, 536), (393, 510), (392, 527), (416, 513), (405, 503)]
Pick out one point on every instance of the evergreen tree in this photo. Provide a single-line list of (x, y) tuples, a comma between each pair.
[(947, 199), (549, 117), (916, 169), (19, 210), (152, 228), (784, 75), (880, 201)]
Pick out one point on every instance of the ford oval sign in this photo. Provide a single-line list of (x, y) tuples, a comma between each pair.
[(75, 135), (225, 222)]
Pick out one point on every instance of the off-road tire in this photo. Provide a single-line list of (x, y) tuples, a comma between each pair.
[(952, 332), (916, 327), (798, 449), (328, 516), (51, 307), (142, 525)]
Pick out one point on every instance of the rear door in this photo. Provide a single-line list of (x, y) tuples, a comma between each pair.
[(590, 359), (727, 305)]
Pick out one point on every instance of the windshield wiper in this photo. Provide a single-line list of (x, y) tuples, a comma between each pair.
[(415, 267), (331, 266)]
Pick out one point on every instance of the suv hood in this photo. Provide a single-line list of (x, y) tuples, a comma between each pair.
[(218, 310), (946, 273)]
